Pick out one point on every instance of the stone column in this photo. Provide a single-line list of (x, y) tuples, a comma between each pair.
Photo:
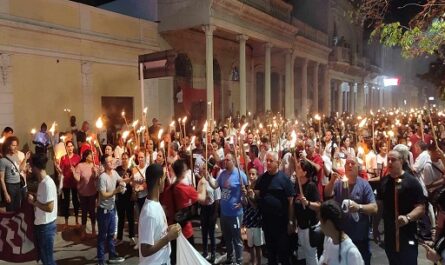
[(315, 88), (339, 96), (351, 108), (208, 29), (267, 77), (304, 104), (326, 90), (361, 102), (6, 92), (289, 101), (87, 91), (242, 74)]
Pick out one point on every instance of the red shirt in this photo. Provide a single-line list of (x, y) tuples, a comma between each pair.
[(257, 165), (316, 158), (184, 196), (68, 176)]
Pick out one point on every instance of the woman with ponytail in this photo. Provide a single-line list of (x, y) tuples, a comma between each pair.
[(338, 247)]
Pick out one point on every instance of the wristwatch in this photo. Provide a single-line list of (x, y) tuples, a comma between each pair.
[(409, 218)]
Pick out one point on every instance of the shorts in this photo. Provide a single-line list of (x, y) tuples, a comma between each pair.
[(255, 237)]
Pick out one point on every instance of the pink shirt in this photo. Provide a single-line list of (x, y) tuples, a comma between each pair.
[(87, 184)]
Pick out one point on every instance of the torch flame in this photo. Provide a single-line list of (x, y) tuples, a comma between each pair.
[(125, 134), (162, 145), (243, 128), (145, 110), (33, 131), (204, 129), (172, 124), (293, 140), (123, 113), (63, 138), (160, 133), (53, 128), (317, 117), (89, 139), (135, 123), (362, 123), (2, 140), (184, 119), (99, 123)]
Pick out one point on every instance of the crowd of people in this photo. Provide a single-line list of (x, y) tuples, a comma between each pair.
[(312, 191)]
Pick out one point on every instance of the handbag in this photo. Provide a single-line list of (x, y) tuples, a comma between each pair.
[(316, 236), (182, 216)]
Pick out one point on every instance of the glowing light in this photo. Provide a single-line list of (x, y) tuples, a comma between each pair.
[(362, 123), (125, 134), (99, 123), (317, 117), (52, 130), (2, 140), (135, 123), (184, 119), (243, 128), (145, 110), (33, 131), (293, 140), (160, 133)]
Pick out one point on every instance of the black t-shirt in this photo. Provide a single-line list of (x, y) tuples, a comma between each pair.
[(305, 216), (274, 193), (410, 194), (127, 195)]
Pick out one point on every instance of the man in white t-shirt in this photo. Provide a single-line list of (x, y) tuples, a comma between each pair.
[(154, 233), (45, 210)]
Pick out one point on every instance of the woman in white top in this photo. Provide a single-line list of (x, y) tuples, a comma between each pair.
[(338, 248), (150, 152), (139, 185)]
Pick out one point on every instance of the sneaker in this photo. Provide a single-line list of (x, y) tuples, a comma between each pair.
[(114, 260)]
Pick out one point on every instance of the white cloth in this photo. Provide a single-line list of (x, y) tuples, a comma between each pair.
[(152, 227), (46, 192), (349, 253), (371, 160), (186, 254), (305, 251), (255, 237), (382, 160)]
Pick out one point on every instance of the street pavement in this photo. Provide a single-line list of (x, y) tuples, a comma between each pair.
[(69, 249)]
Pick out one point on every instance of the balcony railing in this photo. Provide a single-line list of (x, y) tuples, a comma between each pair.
[(341, 54), (310, 33), (276, 8)]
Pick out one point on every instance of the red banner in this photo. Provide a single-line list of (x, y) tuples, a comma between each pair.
[(16, 235)]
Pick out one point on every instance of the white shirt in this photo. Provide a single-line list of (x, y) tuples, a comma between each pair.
[(46, 192), (328, 148), (152, 227), (118, 151), (349, 253), (371, 160), (432, 173), (382, 160)]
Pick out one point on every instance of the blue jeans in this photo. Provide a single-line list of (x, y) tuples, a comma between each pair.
[(106, 222), (231, 230), (44, 237)]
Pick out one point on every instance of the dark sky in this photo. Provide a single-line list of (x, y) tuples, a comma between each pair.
[(403, 10)]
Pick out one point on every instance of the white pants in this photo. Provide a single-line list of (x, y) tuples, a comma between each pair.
[(305, 251)]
